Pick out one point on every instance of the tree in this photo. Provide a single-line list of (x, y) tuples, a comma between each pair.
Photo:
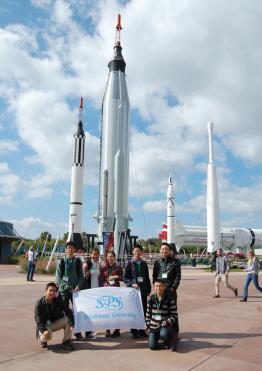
[(43, 236), (65, 237)]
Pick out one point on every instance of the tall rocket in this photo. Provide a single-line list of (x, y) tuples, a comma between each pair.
[(170, 212), (112, 215), (77, 177), (213, 228)]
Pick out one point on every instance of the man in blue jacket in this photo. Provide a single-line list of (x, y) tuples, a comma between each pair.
[(136, 275)]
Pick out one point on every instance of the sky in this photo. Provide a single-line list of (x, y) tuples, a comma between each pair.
[(188, 62)]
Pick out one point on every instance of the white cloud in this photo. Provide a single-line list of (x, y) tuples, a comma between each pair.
[(154, 206), (33, 226), (4, 168), (8, 145)]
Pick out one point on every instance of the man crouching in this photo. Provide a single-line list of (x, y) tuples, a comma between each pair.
[(161, 318), (52, 315)]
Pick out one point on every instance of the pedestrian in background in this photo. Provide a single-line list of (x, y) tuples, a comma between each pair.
[(221, 273), (31, 263), (252, 274)]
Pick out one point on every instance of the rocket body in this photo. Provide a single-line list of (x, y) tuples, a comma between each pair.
[(114, 175), (213, 227), (170, 212), (77, 178)]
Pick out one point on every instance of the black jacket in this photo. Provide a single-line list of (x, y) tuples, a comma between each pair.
[(131, 275), (170, 266), (51, 312)]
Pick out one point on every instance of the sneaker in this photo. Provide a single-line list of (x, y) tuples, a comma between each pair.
[(115, 334), (79, 337), (67, 345), (91, 335), (216, 296), (32, 280), (173, 348), (243, 300), (236, 292), (107, 333), (43, 344)]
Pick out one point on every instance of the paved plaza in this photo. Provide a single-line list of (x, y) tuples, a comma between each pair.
[(216, 334)]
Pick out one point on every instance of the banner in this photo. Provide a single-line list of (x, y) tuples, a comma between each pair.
[(108, 308)]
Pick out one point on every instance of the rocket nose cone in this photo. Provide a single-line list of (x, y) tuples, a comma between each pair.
[(117, 63)]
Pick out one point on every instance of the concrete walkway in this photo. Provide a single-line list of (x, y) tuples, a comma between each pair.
[(216, 334)]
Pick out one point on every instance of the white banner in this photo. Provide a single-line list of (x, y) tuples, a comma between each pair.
[(108, 308)]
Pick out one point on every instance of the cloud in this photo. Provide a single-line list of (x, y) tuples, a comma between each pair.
[(154, 206), (8, 145), (32, 226)]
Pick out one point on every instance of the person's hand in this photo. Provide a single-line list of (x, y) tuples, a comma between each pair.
[(72, 328), (76, 289), (164, 324), (112, 278), (45, 334), (135, 286)]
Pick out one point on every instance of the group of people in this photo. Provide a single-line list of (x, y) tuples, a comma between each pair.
[(53, 311), (220, 266)]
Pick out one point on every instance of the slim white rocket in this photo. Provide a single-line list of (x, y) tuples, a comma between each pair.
[(112, 215), (213, 227), (170, 212), (77, 177)]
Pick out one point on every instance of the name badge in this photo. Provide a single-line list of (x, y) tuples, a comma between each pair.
[(158, 317), (48, 322), (164, 275), (140, 279)]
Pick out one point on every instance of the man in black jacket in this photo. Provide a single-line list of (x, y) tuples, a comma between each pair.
[(167, 269), (136, 275), (52, 315)]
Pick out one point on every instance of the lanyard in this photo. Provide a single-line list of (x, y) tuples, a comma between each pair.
[(158, 303), (138, 264)]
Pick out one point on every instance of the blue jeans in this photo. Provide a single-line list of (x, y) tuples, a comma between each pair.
[(30, 271), (165, 333), (251, 277)]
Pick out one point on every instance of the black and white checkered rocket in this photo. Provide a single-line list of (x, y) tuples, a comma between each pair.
[(77, 177)]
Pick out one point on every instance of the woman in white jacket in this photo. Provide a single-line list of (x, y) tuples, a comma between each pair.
[(252, 274)]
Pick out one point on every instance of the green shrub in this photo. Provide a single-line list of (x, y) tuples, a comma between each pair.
[(40, 266), (13, 260)]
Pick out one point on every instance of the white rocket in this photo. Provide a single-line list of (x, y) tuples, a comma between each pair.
[(170, 212), (112, 215), (77, 174), (213, 228)]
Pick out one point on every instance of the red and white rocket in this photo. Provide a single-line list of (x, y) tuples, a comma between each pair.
[(77, 178)]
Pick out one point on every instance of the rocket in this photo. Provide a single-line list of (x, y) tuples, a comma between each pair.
[(213, 228), (170, 212), (77, 177), (112, 215)]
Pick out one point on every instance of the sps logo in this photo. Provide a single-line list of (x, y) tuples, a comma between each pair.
[(109, 302)]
